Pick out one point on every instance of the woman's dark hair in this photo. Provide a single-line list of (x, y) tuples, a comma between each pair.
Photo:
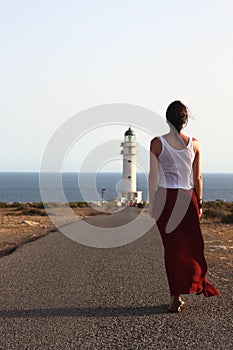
[(177, 115)]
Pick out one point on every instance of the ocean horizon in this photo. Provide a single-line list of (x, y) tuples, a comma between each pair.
[(24, 186)]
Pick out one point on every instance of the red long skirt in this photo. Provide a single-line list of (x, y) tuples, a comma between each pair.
[(176, 214)]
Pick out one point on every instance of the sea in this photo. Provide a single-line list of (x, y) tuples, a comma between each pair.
[(25, 186)]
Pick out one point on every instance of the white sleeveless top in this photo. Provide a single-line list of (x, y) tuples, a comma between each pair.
[(175, 166)]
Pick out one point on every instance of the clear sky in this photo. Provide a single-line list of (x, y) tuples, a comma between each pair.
[(60, 57)]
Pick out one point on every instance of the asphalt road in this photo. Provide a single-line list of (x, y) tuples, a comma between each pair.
[(58, 294)]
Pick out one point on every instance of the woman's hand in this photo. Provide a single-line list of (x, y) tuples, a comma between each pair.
[(200, 213)]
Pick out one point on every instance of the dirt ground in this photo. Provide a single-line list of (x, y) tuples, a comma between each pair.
[(17, 228), (218, 239)]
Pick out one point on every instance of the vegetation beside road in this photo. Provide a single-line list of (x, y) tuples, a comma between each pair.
[(220, 210)]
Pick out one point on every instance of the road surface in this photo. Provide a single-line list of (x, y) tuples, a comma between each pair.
[(58, 294)]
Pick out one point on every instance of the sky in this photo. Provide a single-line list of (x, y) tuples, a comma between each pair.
[(59, 58)]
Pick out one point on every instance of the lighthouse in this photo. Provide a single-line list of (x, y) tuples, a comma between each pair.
[(128, 188)]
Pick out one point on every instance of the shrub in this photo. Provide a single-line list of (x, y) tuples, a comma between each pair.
[(218, 210), (227, 219), (13, 205), (78, 204), (38, 205), (34, 211), (3, 205), (214, 213)]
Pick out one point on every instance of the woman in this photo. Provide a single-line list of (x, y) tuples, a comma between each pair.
[(175, 196)]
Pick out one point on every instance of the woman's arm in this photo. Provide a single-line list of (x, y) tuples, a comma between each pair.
[(153, 174), (197, 174)]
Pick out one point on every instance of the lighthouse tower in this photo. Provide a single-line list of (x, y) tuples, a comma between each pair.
[(128, 188)]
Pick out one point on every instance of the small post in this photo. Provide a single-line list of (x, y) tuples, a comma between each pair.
[(102, 194)]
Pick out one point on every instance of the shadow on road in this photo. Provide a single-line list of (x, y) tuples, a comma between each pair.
[(86, 312)]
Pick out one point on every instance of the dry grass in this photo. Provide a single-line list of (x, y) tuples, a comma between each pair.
[(220, 210)]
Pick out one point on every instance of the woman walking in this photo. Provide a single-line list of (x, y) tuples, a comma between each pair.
[(175, 196)]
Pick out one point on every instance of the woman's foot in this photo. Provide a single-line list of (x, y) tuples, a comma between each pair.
[(176, 304)]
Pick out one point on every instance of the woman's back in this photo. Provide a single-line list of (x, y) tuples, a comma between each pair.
[(175, 162), (175, 141)]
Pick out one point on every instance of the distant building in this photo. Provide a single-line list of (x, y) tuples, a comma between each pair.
[(128, 187)]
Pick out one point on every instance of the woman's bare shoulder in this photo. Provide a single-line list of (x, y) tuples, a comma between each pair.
[(155, 145), (196, 144), (155, 141), (195, 141)]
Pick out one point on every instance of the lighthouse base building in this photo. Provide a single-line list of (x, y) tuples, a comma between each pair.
[(130, 197), (128, 193)]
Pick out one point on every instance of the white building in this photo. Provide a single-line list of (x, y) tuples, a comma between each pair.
[(128, 186)]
